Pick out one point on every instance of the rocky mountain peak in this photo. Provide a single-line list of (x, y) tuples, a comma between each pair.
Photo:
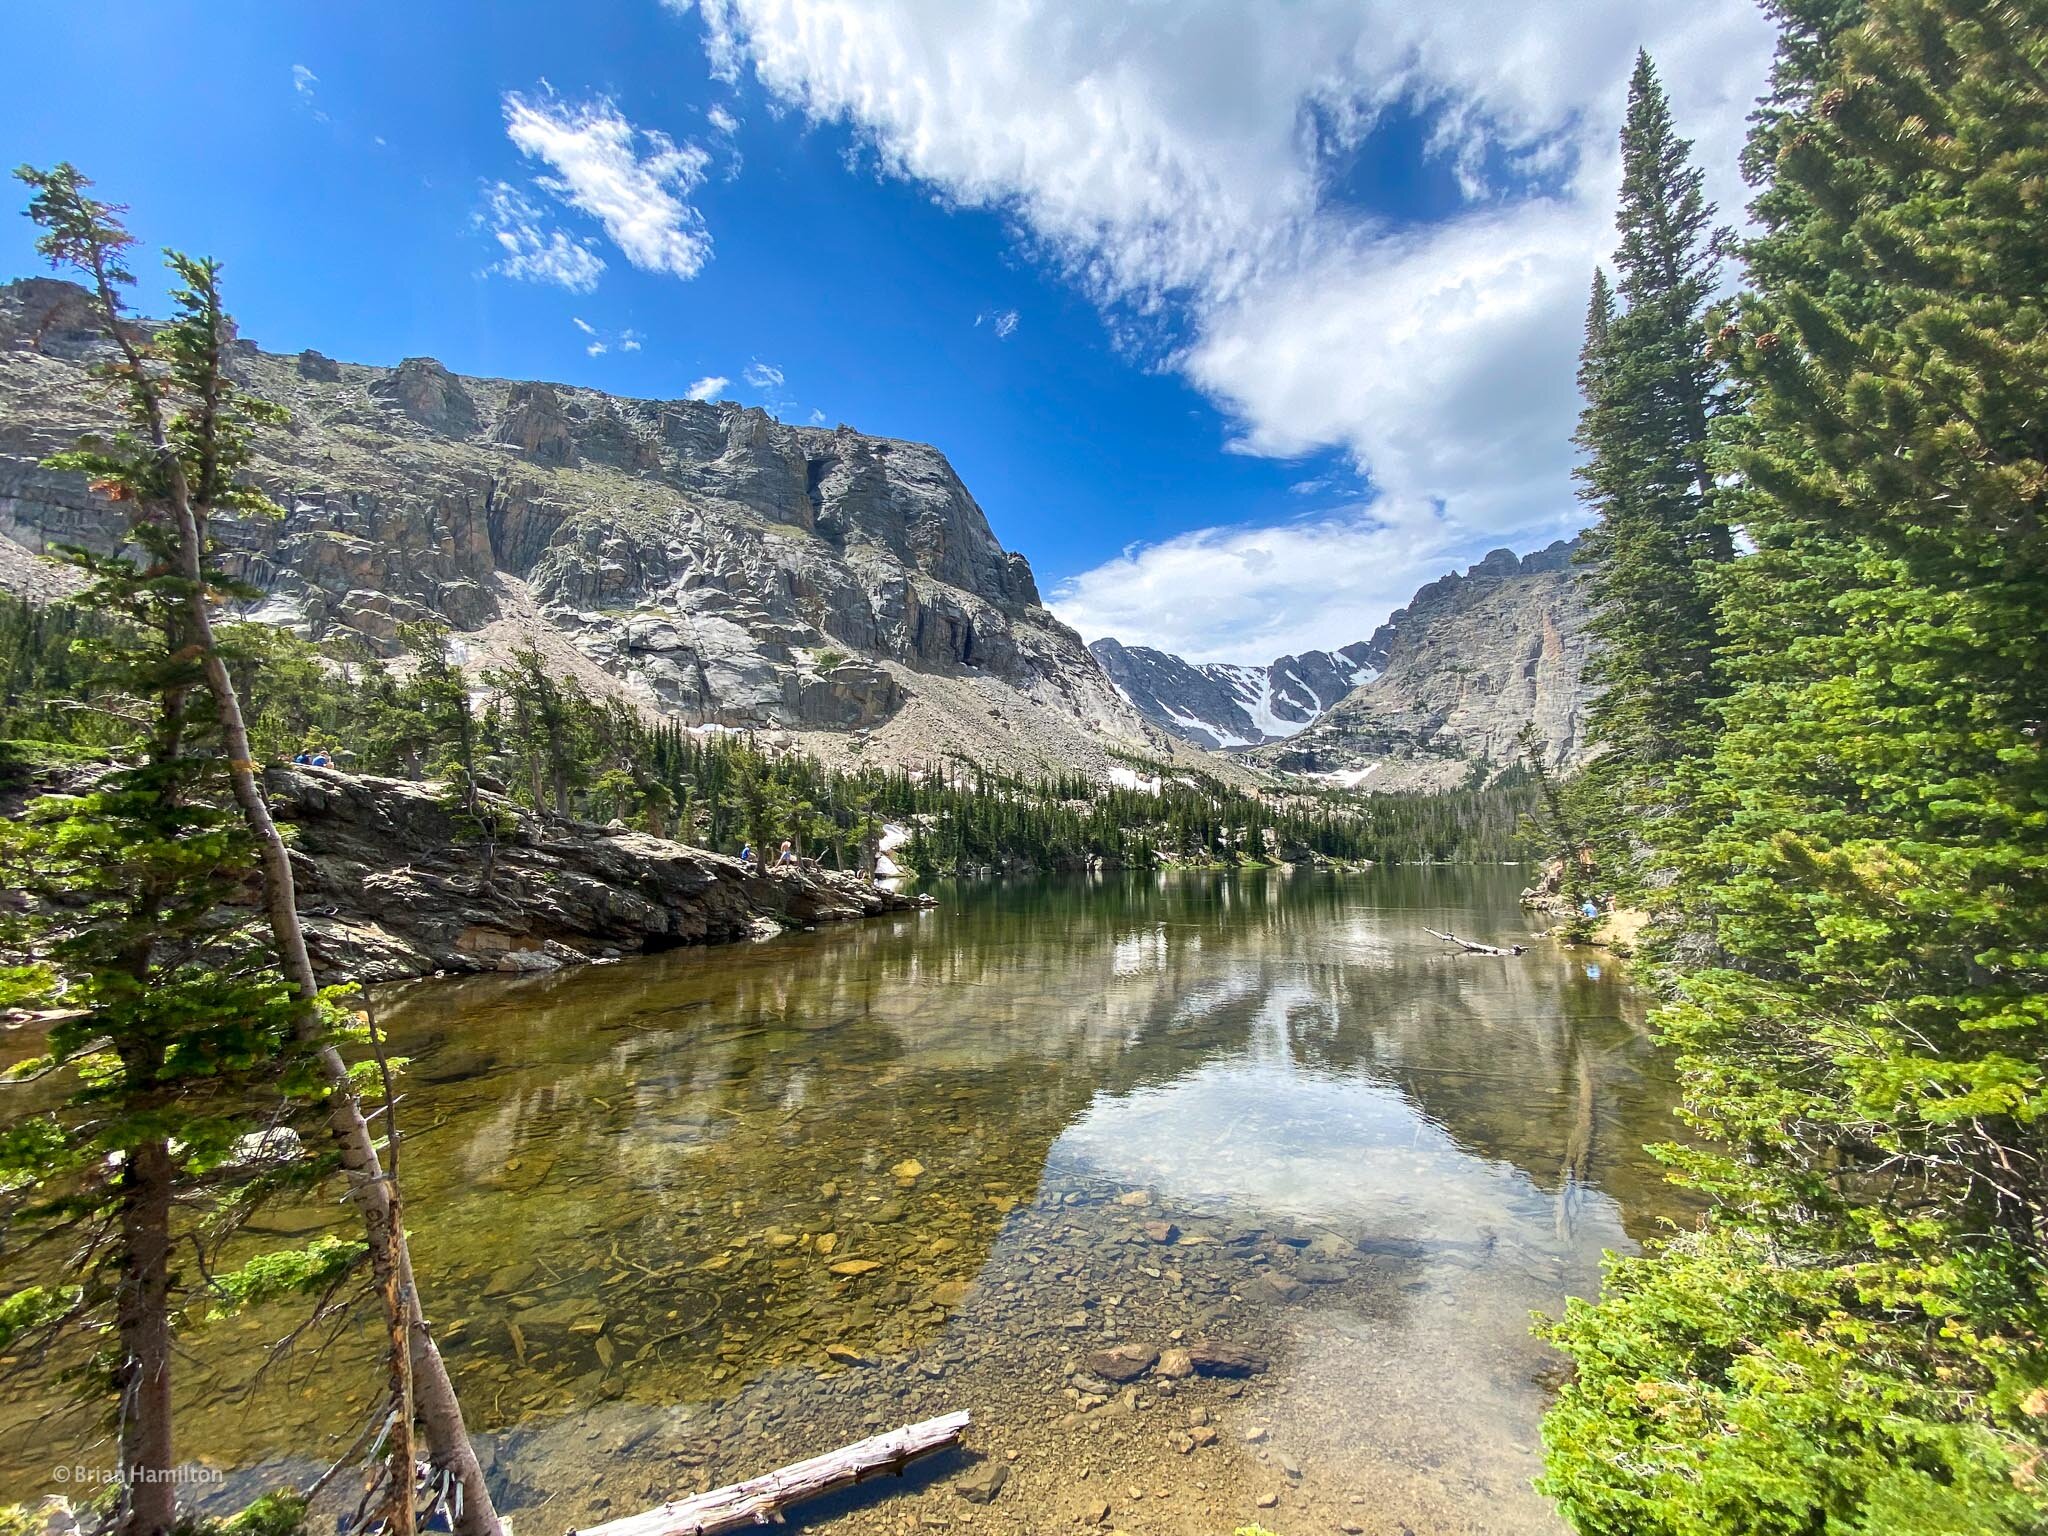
[(430, 395), (704, 560), (1445, 684), (1472, 658)]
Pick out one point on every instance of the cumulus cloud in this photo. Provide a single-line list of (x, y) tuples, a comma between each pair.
[(707, 388), (1246, 594), (1186, 167), (722, 120), (636, 182), (762, 375), (533, 250)]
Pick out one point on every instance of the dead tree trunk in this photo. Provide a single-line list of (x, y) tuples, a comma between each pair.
[(760, 1500), (390, 1259), (1474, 947)]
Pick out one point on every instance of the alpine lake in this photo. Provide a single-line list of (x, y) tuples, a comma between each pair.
[(685, 1218)]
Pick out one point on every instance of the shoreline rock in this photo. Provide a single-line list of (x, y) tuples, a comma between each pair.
[(389, 886)]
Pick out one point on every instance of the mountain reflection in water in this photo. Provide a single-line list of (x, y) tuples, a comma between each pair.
[(684, 1218)]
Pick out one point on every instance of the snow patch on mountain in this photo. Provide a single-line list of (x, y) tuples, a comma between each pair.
[(1224, 706)]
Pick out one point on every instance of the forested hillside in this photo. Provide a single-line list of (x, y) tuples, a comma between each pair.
[(558, 750)]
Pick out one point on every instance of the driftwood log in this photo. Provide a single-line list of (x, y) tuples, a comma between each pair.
[(760, 1500), (1473, 947)]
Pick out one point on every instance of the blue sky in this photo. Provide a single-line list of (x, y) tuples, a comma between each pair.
[(1239, 320)]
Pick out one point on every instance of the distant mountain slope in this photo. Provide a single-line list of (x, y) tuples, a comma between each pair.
[(1462, 668), (1217, 705), (703, 560)]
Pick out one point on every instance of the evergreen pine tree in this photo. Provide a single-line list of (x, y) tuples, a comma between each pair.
[(1650, 396), (178, 468), (1854, 1342)]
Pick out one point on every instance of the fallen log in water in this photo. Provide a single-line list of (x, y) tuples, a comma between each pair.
[(762, 1499), (1473, 947)]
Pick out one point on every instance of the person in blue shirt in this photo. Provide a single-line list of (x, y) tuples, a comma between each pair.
[(746, 853)]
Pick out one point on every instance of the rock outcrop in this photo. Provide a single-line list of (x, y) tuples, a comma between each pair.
[(1219, 705), (1470, 661), (703, 560), (390, 887)]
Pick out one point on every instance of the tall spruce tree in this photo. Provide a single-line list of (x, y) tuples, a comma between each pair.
[(1855, 1340), (1650, 397), (179, 468)]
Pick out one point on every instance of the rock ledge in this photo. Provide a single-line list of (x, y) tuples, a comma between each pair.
[(388, 886)]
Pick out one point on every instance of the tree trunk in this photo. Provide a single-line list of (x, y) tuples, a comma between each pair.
[(440, 1411), (149, 1497)]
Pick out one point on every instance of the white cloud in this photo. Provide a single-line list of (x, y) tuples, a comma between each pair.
[(1247, 594), (707, 388), (534, 252), (303, 83), (601, 342), (1186, 167), (722, 120), (762, 375), (817, 418), (1006, 324), (636, 182)]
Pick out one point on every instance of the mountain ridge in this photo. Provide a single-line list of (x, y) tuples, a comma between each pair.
[(1471, 659), (1225, 705), (702, 561), (1228, 707)]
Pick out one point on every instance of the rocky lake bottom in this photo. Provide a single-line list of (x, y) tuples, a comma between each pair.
[(1215, 1200)]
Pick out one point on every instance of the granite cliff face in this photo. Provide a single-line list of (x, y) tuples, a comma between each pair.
[(704, 560), (1221, 706), (1462, 668)]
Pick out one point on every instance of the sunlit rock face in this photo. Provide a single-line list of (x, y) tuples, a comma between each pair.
[(1440, 691), (715, 563), (1472, 659)]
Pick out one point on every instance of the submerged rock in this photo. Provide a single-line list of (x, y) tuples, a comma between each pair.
[(1210, 1359), (980, 1484), (1124, 1362)]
